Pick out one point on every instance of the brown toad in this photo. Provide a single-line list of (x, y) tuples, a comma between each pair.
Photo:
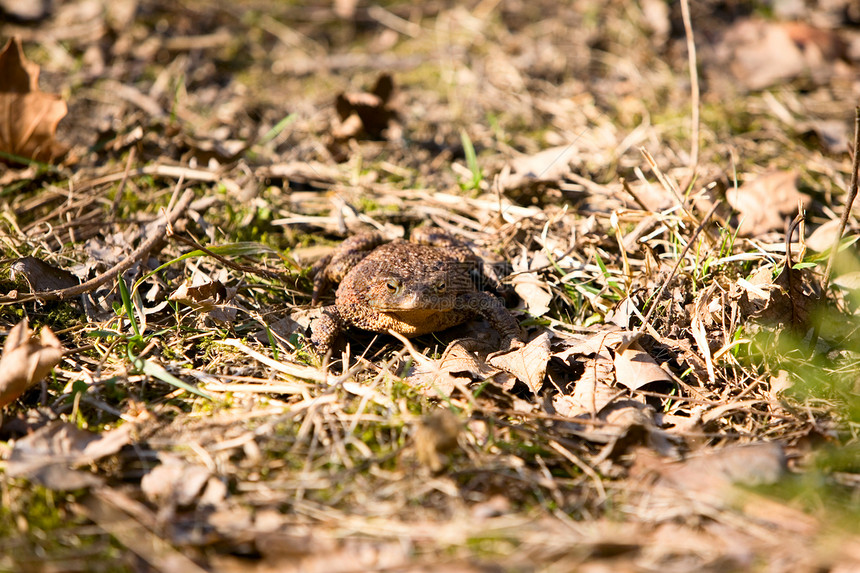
[(412, 288)]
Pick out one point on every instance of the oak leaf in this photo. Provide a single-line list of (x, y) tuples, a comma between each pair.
[(28, 117)]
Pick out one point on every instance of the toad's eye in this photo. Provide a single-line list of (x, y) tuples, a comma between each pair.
[(440, 288), (393, 285)]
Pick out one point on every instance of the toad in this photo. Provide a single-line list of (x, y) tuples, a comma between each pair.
[(412, 287)]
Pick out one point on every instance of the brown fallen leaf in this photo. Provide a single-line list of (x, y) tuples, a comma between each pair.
[(461, 364), (364, 113), (527, 363), (534, 291), (30, 117), (764, 202), (48, 455), (175, 482), (26, 361), (761, 54), (210, 298), (549, 165), (750, 464), (43, 277), (787, 299), (635, 368), (591, 393), (629, 424)]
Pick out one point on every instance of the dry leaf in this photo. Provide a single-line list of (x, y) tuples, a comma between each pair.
[(30, 117), (549, 165), (787, 299), (764, 202), (365, 113), (533, 291), (591, 393), (635, 368), (174, 482), (43, 277), (594, 345), (48, 455), (762, 54), (629, 424), (527, 363), (848, 281), (750, 464), (210, 298), (824, 236), (461, 364), (205, 296), (26, 361)]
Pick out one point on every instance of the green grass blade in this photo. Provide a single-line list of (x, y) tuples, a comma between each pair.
[(157, 371), (127, 305), (276, 131)]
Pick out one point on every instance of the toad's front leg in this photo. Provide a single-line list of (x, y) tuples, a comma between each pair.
[(325, 330), (492, 309)]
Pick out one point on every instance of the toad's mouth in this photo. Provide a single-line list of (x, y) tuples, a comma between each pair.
[(411, 316)]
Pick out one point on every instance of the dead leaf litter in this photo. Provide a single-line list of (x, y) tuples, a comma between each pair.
[(685, 391)]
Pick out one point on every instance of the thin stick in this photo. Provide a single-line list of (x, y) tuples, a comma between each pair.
[(852, 194), (692, 240), (694, 84), (123, 265)]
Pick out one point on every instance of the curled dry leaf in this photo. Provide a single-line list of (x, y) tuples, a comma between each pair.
[(30, 117), (205, 296), (764, 202), (366, 113), (210, 298), (534, 292), (26, 360)]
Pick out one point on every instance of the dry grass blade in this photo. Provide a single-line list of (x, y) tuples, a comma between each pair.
[(849, 199)]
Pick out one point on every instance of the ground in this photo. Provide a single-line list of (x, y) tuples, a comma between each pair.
[(661, 186)]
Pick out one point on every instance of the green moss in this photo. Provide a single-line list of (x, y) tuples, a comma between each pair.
[(38, 528)]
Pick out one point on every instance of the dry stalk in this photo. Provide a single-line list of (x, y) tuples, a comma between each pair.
[(852, 194), (694, 85)]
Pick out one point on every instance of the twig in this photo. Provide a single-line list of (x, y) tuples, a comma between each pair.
[(692, 240), (852, 194), (633, 194), (694, 83), (112, 272)]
